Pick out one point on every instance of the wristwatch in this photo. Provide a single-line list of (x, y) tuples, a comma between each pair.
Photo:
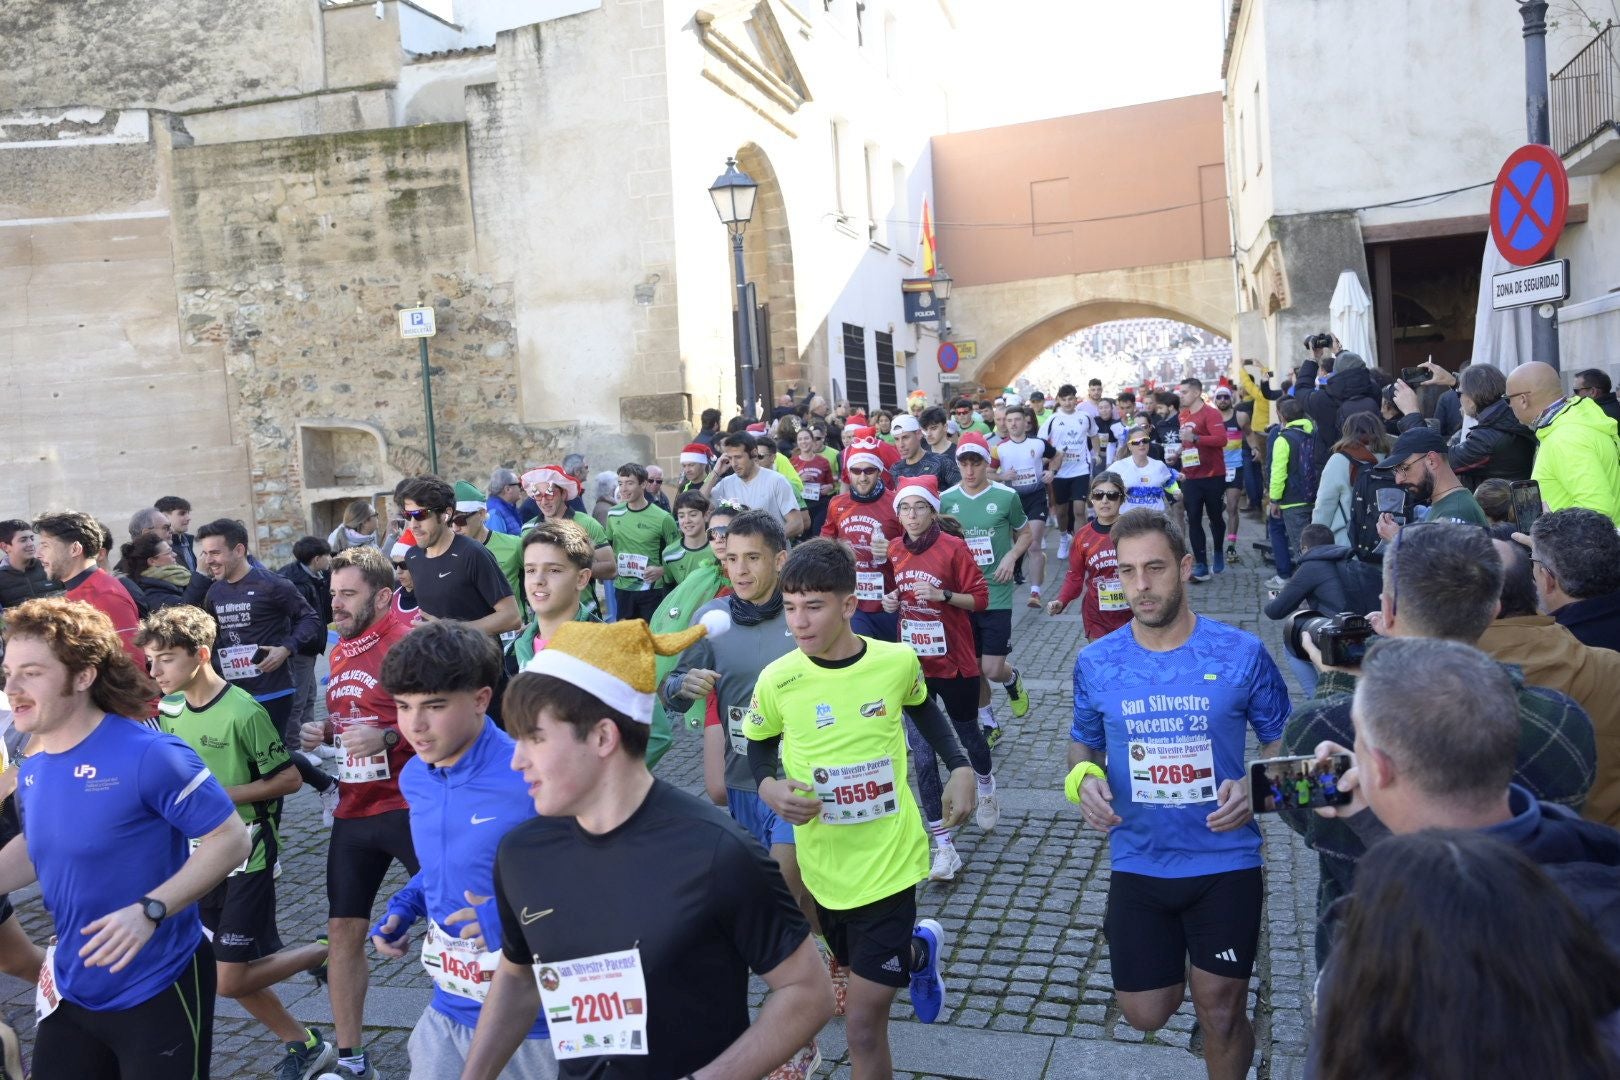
[(948, 595), (156, 910), (390, 739)]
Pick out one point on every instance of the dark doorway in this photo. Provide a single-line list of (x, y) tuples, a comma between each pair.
[(1425, 294)]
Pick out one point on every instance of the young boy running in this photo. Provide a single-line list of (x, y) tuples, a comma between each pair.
[(463, 798), (233, 735), (683, 558), (833, 712)]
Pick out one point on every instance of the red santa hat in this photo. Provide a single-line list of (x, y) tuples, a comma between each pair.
[(547, 476), (756, 429), (862, 458), (695, 454), (973, 443), (926, 487)]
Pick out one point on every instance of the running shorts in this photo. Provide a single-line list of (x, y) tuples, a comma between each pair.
[(240, 913), (1071, 489), (874, 940), (357, 860), (1034, 504), (752, 813), (992, 632), (1155, 925)]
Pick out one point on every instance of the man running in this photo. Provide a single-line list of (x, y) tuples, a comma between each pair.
[(372, 828), (857, 517), (998, 533), (68, 545), (1024, 468), (631, 912), (916, 459), (464, 797), (552, 489), (1232, 457), (1203, 470), (640, 532), (108, 806), (1070, 431), (833, 713), (455, 576), (1161, 706), (692, 551), (739, 478), (234, 737)]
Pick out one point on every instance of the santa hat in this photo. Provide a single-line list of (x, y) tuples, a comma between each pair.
[(550, 476), (468, 498), (398, 551), (856, 420), (756, 429), (864, 457), (614, 662), (973, 443), (695, 454), (926, 487)]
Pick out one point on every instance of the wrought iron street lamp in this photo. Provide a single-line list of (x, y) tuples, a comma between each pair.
[(733, 193)]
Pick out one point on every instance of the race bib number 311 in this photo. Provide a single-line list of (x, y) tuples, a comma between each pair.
[(595, 1005)]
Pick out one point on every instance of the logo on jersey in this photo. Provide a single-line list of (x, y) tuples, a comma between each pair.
[(824, 715), (990, 507), (872, 708), (84, 772), (526, 918), (1209, 678)]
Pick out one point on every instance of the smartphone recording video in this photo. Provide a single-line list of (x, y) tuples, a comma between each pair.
[(1297, 783), (1526, 495)]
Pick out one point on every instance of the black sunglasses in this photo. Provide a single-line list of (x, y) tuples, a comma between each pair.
[(420, 515), (399, 566), (717, 533), (1111, 496)]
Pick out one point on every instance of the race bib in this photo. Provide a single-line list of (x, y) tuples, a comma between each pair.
[(455, 964), (979, 547), (1111, 595), (735, 714), (1231, 475), (633, 566), (926, 637), (1189, 457), (868, 585), (46, 996), (812, 492), (856, 794), (596, 1005), (1173, 773), (1025, 478), (253, 841), (1075, 457), (353, 769), (510, 636), (236, 662)]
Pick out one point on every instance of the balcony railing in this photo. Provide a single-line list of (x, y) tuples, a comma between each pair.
[(1586, 93)]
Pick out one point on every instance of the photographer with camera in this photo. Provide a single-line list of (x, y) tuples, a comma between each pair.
[(1326, 579), (1423, 471), (1349, 389), (1497, 445), (1441, 580)]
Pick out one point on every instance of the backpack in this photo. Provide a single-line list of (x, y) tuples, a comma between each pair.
[(1302, 449), (1365, 485), (1362, 581)]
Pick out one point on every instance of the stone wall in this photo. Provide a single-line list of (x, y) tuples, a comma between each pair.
[(293, 257)]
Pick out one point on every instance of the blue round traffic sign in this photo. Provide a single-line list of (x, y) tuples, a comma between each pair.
[(948, 356), (1529, 204)]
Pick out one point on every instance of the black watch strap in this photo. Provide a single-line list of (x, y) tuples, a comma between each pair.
[(156, 910)]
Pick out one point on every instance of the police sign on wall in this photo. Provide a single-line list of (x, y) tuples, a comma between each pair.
[(921, 303)]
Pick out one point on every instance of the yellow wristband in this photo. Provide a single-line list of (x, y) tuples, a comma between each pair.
[(1071, 783)]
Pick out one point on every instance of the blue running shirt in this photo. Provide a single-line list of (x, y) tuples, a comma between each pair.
[(106, 823), (1172, 725)]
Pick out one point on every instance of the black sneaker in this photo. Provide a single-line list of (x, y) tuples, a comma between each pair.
[(304, 1061)]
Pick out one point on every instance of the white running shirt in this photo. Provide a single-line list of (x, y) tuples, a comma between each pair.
[(1144, 486), (1021, 463), (1070, 434)]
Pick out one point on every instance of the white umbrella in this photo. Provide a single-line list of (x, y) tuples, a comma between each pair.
[(1350, 317), (1501, 338)]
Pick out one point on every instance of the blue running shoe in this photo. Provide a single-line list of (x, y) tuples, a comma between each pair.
[(1200, 572), (928, 981)]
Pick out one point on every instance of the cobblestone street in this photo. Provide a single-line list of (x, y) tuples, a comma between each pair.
[(1028, 970)]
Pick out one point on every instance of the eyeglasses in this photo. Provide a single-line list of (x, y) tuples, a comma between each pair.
[(421, 514), (1584, 389), (655, 479), (459, 519), (1400, 470), (914, 508), (1111, 496), (717, 533), (1522, 393)]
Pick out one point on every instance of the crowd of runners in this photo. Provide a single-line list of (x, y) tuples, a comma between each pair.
[(826, 602)]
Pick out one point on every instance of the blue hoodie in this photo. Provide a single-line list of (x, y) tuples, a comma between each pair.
[(458, 817)]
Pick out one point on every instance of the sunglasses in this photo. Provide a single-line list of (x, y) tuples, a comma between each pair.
[(717, 533), (1137, 442), (863, 472), (459, 519), (399, 566), (420, 515), (1111, 496), (655, 479)]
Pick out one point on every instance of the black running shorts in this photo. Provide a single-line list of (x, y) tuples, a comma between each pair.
[(1155, 925), (240, 913), (357, 860), (874, 941)]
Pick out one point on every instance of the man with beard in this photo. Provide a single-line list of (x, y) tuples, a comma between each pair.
[(1423, 472), (1160, 708), (857, 517)]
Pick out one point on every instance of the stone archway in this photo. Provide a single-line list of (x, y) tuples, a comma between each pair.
[(768, 259), (1015, 354)]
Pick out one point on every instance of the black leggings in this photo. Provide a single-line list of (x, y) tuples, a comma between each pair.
[(169, 1036), (1205, 496), (960, 698)]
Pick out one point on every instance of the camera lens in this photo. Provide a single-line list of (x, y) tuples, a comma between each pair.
[(1297, 625)]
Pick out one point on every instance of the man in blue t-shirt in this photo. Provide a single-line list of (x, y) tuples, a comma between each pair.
[(109, 808), (464, 799), (1160, 707)]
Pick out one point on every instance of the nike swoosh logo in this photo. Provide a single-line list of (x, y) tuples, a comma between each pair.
[(480, 820), (447, 573), (170, 1052), (526, 918)]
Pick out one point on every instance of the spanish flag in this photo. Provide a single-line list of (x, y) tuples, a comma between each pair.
[(930, 255)]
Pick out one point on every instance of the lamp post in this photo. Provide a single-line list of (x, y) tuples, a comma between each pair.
[(1538, 126), (733, 194), (942, 293)]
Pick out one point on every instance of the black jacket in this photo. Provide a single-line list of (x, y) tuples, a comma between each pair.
[(1497, 446), (1346, 392), (1595, 621), (1610, 406), (19, 585), (1330, 581), (161, 594), (317, 592)]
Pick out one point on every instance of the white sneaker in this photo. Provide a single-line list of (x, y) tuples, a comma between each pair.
[(946, 863), (329, 805), (1063, 547), (988, 814), (1276, 581)]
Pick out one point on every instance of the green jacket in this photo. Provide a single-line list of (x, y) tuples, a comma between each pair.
[(508, 552), (1289, 483), (675, 614), (1578, 463)]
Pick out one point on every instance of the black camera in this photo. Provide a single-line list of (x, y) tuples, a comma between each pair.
[(1341, 639), (1319, 341)]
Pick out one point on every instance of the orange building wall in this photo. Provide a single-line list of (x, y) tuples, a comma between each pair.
[(1021, 201)]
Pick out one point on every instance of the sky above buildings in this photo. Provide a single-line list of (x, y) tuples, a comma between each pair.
[(1031, 59)]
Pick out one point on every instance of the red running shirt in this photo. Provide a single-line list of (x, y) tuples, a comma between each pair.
[(1093, 576), (939, 632), (855, 522), (355, 694)]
